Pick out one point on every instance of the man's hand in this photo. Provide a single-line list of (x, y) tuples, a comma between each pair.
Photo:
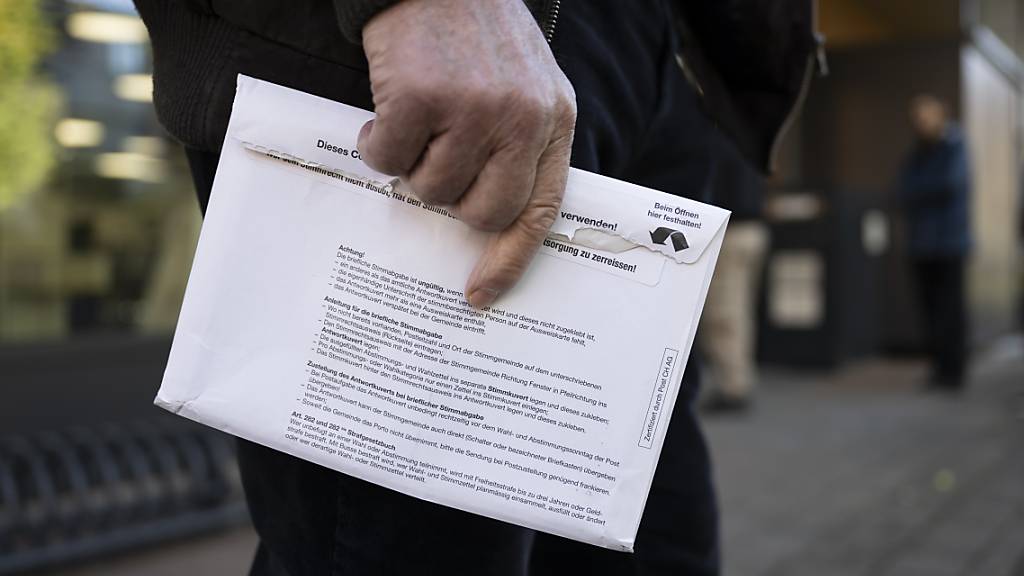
[(474, 114)]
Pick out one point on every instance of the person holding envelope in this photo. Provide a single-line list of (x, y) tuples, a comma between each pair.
[(481, 107)]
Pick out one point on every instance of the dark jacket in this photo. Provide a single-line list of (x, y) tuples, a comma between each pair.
[(752, 63), (736, 185), (749, 59), (934, 193)]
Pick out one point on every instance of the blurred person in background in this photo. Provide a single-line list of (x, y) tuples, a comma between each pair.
[(475, 111), (934, 191), (728, 326)]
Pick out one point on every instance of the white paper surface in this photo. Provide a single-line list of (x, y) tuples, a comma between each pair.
[(324, 317)]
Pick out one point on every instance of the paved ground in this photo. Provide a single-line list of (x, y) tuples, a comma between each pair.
[(220, 554), (861, 473), (854, 473)]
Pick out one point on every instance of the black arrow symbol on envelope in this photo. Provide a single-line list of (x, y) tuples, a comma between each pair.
[(660, 234)]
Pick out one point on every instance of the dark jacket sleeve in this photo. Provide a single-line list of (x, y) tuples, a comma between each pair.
[(354, 14)]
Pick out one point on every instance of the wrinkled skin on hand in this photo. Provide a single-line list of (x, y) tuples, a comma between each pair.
[(473, 114)]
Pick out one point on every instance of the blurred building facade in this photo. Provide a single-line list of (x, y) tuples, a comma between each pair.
[(98, 223), (85, 249)]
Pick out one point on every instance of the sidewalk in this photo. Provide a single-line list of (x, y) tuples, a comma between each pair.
[(856, 472), (862, 473)]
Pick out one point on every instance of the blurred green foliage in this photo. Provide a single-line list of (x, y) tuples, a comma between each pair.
[(27, 102)]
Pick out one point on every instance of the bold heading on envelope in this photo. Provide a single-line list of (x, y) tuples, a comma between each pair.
[(325, 318)]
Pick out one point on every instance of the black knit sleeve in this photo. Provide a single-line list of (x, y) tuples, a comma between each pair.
[(354, 14)]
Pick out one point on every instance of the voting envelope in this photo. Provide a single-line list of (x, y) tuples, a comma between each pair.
[(324, 317)]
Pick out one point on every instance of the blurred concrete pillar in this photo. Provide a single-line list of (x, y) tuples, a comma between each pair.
[(32, 275), (162, 301), (991, 110)]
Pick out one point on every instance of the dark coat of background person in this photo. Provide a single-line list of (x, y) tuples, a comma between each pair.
[(934, 194), (640, 119)]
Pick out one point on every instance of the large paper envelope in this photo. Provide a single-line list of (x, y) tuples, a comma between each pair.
[(324, 317)]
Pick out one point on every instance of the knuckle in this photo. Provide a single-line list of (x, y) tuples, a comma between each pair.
[(568, 92), (432, 98), (488, 221), (530, 107), (478, 95), (430, 189), (485, 105), (567, 112), (566, 101), (539, 217), (418, 97), (380, 159), (393, 107), (536, 107), (523, 126), (570, 111)]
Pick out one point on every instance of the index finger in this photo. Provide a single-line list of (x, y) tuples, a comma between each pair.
[(510, 251)]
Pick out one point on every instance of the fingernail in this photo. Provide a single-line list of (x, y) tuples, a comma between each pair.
[(482, 297), (364, 133)]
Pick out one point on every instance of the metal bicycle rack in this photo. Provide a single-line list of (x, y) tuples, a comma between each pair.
[(85, 491)]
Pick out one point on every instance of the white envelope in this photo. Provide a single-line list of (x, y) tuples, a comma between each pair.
[(324, 317)]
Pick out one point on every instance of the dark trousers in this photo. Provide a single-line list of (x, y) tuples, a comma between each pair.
[(940, 284), (639, 121)]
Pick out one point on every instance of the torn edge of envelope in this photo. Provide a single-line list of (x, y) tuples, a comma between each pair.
[(596, 239), (323, 169), (628, 232)]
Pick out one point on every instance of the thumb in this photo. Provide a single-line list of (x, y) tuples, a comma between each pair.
[(364, 135), (508, 253), (506, 258)]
